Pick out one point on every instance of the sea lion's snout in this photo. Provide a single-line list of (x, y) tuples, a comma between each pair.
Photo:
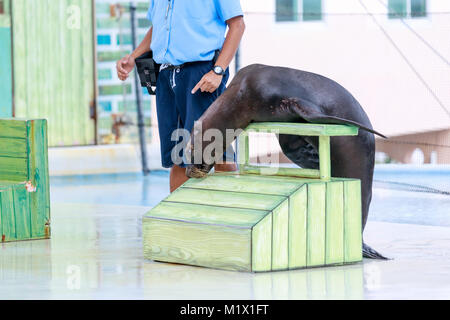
[(197, 172)]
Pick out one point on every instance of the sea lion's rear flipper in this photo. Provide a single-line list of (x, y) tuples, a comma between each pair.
[(337, 120), (370, 253), (311, 113)]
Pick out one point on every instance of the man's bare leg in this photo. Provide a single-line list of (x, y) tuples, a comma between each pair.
[(178, 175)]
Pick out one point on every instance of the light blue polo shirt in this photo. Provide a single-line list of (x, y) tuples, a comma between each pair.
[(189, 30)]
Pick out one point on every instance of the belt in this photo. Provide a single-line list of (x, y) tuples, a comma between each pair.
[(172, 67), (167, 66)]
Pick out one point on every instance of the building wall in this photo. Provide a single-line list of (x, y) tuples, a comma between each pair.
[(429, 147), (347, 46), (53, 58), (117, 99)]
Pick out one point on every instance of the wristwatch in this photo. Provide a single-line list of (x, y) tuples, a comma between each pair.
[(219, 71)]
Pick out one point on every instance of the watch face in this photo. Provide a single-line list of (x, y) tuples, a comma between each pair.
[(218, 70)]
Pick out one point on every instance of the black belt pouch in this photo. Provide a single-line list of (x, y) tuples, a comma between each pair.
[(148, 71)]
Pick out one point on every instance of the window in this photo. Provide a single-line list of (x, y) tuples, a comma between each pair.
[(418, 8), (407, 8), (287, 10), (312, 10)]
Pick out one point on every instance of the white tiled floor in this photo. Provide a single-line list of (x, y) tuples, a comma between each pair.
[(96, 253)]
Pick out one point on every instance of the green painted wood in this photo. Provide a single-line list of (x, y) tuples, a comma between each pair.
[(22, 212), (316, 225), (293, 172), (304, 129), (243, 151), (297, 224), (206, 214), (298, 211), (39, 177), (352, 221), (37, 26), (324, 158), (335, 223), (244, 183), (13, 148), (262, 245), (13, 169), (226, 199), (13, 128), (7, 213), (199, 245), (30, 211), (280, 234)]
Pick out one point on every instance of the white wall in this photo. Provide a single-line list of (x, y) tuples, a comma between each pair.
[(349, 48)]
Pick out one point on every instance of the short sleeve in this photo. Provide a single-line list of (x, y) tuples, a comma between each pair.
[(150, 10), (228, 9)]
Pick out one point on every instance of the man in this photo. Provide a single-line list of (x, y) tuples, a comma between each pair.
[(184, 38)]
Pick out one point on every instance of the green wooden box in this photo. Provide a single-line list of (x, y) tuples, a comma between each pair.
[(256, 223), (24, 182)]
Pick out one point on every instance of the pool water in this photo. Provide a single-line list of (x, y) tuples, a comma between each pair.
[(395, 194)]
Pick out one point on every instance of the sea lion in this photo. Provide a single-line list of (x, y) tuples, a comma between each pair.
[(261, 93)]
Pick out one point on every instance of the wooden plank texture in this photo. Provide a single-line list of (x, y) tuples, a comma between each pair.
[(12, 128), (13, 148), (352, 221), (316, 225), (206, 214), (262, 245), (304, 129), (292, 222), (200, 245), (335, 223), (226, 199), (7, 212), (39, 177), (14, 169), (244, 183), (22, 212), (280, 234), (324, 158), (65, 37), (298, 228), (281, 171)]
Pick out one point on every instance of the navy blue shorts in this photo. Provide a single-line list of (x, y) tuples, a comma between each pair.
[(178, 108)]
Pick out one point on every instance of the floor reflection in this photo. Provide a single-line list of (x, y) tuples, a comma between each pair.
[(96, 253), (168, 281)]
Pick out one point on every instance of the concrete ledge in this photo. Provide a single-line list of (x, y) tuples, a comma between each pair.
[(105, 159)]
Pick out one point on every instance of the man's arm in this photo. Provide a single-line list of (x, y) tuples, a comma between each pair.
[(211, 81), (126, 64)]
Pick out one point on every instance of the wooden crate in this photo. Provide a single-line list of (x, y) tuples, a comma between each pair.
[(24, 182), (256, 223)]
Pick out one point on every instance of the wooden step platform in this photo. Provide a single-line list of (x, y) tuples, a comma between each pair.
[(257, 223), (250, 221), (24, 180)]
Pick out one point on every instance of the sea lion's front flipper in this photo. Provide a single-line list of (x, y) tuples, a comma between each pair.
[(312, 113)]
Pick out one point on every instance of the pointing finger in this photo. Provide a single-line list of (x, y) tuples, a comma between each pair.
[(198, 86)]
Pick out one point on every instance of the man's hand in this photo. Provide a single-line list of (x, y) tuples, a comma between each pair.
[(124, 66), (209, 83)]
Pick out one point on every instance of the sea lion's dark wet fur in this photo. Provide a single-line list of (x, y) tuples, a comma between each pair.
[(262, 93)]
